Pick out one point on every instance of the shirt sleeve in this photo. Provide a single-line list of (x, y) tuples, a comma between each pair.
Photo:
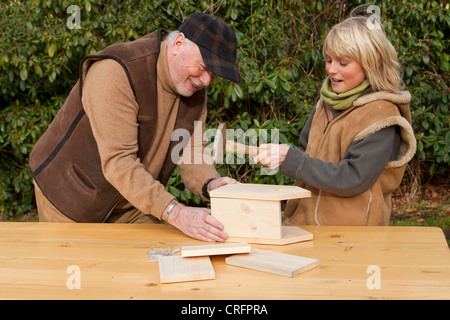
[(197, 165), (112, 111), (355, 173)]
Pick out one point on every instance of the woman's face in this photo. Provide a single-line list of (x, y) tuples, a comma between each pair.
[(344, 73)]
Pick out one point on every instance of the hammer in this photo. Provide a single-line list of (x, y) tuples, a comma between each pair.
[(222, 145)]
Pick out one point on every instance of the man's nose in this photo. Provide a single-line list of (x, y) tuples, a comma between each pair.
[(207, 78)]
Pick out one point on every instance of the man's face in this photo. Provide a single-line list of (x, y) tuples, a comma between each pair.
[(186, 67)]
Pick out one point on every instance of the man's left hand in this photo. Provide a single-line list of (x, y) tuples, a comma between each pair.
[(220, 182)]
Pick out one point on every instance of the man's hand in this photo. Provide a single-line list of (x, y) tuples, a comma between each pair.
[(272, 155), (197, 223), (220, 182)]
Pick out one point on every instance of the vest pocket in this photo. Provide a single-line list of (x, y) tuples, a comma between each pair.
[(81, 179), (331, 209)]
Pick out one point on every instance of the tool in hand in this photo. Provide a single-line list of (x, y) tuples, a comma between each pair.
[(222, 145)]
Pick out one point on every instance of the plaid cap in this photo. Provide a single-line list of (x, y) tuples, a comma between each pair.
[(217, 43)]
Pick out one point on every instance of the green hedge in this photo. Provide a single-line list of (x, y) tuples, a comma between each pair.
[(279, 57)]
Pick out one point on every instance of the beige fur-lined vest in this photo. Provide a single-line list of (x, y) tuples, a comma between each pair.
[(330, 140)]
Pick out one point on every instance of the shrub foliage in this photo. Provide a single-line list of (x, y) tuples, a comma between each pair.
[(279, 57)]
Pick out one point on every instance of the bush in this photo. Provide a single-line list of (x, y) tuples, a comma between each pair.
[(279, 57), (419, 32)]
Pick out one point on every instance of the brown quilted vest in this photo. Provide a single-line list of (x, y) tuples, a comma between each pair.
[(65, 162)]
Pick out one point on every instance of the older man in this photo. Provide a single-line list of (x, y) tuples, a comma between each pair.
[(108, 153)]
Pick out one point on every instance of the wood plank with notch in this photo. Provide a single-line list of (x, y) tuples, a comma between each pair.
[(273, 262), (215, 249), (259, 192), (289, 234), (179, 269)]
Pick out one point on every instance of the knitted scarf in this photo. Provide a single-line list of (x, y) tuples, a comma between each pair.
[(341, 101)]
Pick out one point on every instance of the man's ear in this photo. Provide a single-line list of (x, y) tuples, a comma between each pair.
[(178, 43)]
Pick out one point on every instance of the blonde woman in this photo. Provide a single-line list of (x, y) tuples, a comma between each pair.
[(355, 146)]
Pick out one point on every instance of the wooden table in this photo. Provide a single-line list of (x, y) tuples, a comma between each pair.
[(41, 261)]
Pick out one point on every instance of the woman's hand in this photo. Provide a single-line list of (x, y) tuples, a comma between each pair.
[(272, 155)]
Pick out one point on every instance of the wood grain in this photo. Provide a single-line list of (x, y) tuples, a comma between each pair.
[(273, 262), (248, 218), (179, 269), (259, 192)]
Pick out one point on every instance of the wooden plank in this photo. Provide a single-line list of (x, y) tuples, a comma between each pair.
[(273, 262), (259, 191), (290, 234), (248, 218), (215, 249), (179, 269)]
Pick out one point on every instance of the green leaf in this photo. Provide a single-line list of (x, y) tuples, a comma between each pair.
[(272, 84), (4, 58), (52, 76), (229, 90), (38, 70), (238, 90), (420, 146), (259, 87), (286, 86), (447, 139), (52, 49), (174, 191), (409, 71), (24, 74), (432, 168), (22, 85)]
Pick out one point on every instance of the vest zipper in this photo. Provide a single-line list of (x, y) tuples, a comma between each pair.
[(328, 120), (326, 127)]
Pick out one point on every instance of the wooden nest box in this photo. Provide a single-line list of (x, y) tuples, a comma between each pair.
[(252, 212)]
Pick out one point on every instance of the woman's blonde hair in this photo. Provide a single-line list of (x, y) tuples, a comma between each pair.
[(357, 39)]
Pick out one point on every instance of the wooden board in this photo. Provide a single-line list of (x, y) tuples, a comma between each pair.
[(259, 191), (273, 262), (215, 249), (179, 269), (248, 218), (290, 234)]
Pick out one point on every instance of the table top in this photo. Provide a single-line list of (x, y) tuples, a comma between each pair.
[(41, 260)]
